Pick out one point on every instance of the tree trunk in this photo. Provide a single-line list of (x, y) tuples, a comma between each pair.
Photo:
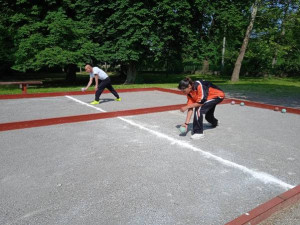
[(131, 73), (205, 67), (237, 68), (274, 60), (223, 54), (70, 70), (123, 71)]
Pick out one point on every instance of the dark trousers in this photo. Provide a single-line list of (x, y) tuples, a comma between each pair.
[(208, 108), (105, 84)]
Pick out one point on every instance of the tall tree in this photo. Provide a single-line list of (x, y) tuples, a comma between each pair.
[(282, 28), (155, 30), (210, 23), (287, 23), (125, 34), (238, 64), (67, 33), (274, 35), (47, 35), (171, 32), (6, 40)]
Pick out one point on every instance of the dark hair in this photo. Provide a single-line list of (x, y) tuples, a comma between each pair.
[(183, 84), (88, 64)]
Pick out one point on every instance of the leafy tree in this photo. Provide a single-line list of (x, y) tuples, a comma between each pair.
[(126, 40), (152, 31), (285, 48), (210, 23), (166, 34), (47, 34), (270, 49), (289, 62), (6, 42), (238, 64)]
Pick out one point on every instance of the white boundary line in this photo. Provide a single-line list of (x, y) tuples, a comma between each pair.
[(262, 176), (83, 103)]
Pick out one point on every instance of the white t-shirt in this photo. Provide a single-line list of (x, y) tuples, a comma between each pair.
[(97, 71)]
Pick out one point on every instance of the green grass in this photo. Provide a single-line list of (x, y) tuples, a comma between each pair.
[(271, 86)]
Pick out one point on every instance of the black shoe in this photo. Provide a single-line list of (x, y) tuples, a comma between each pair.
[(215, 124)]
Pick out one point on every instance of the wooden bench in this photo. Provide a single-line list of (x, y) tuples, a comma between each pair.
[(23, 84)]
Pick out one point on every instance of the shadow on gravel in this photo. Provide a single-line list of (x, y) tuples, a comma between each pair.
[(272, 94)]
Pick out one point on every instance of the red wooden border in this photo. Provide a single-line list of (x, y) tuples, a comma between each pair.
[(254, 216), (78, 118), (86, 117), (247, 103), (173, 91), (264, 106), (267, 209), (54, 94)]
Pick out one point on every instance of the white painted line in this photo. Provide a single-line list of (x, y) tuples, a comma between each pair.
[(83, 103), (262, 176)]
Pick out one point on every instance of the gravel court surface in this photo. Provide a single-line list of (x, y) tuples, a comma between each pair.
[(78, 174), (257, 138), (39, 108), (51, 107), (134, 100), (89, 177)]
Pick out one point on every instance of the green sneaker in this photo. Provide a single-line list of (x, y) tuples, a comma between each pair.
[(94, 102), (118, 99)]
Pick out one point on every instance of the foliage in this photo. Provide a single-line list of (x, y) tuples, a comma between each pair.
[(274, 38), (47, 34), (161, 35)]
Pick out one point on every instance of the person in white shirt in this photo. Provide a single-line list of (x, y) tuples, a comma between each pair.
[(105, 82)]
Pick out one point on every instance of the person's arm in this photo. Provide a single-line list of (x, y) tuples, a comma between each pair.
[(188, 118), (189, 113), (89, 84), (96, 81), (190, 106)]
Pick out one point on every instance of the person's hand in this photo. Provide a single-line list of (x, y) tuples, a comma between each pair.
[(96, 87), (185, 125), (83, 89)]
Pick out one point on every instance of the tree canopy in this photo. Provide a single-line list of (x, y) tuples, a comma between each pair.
[(161, 35)]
